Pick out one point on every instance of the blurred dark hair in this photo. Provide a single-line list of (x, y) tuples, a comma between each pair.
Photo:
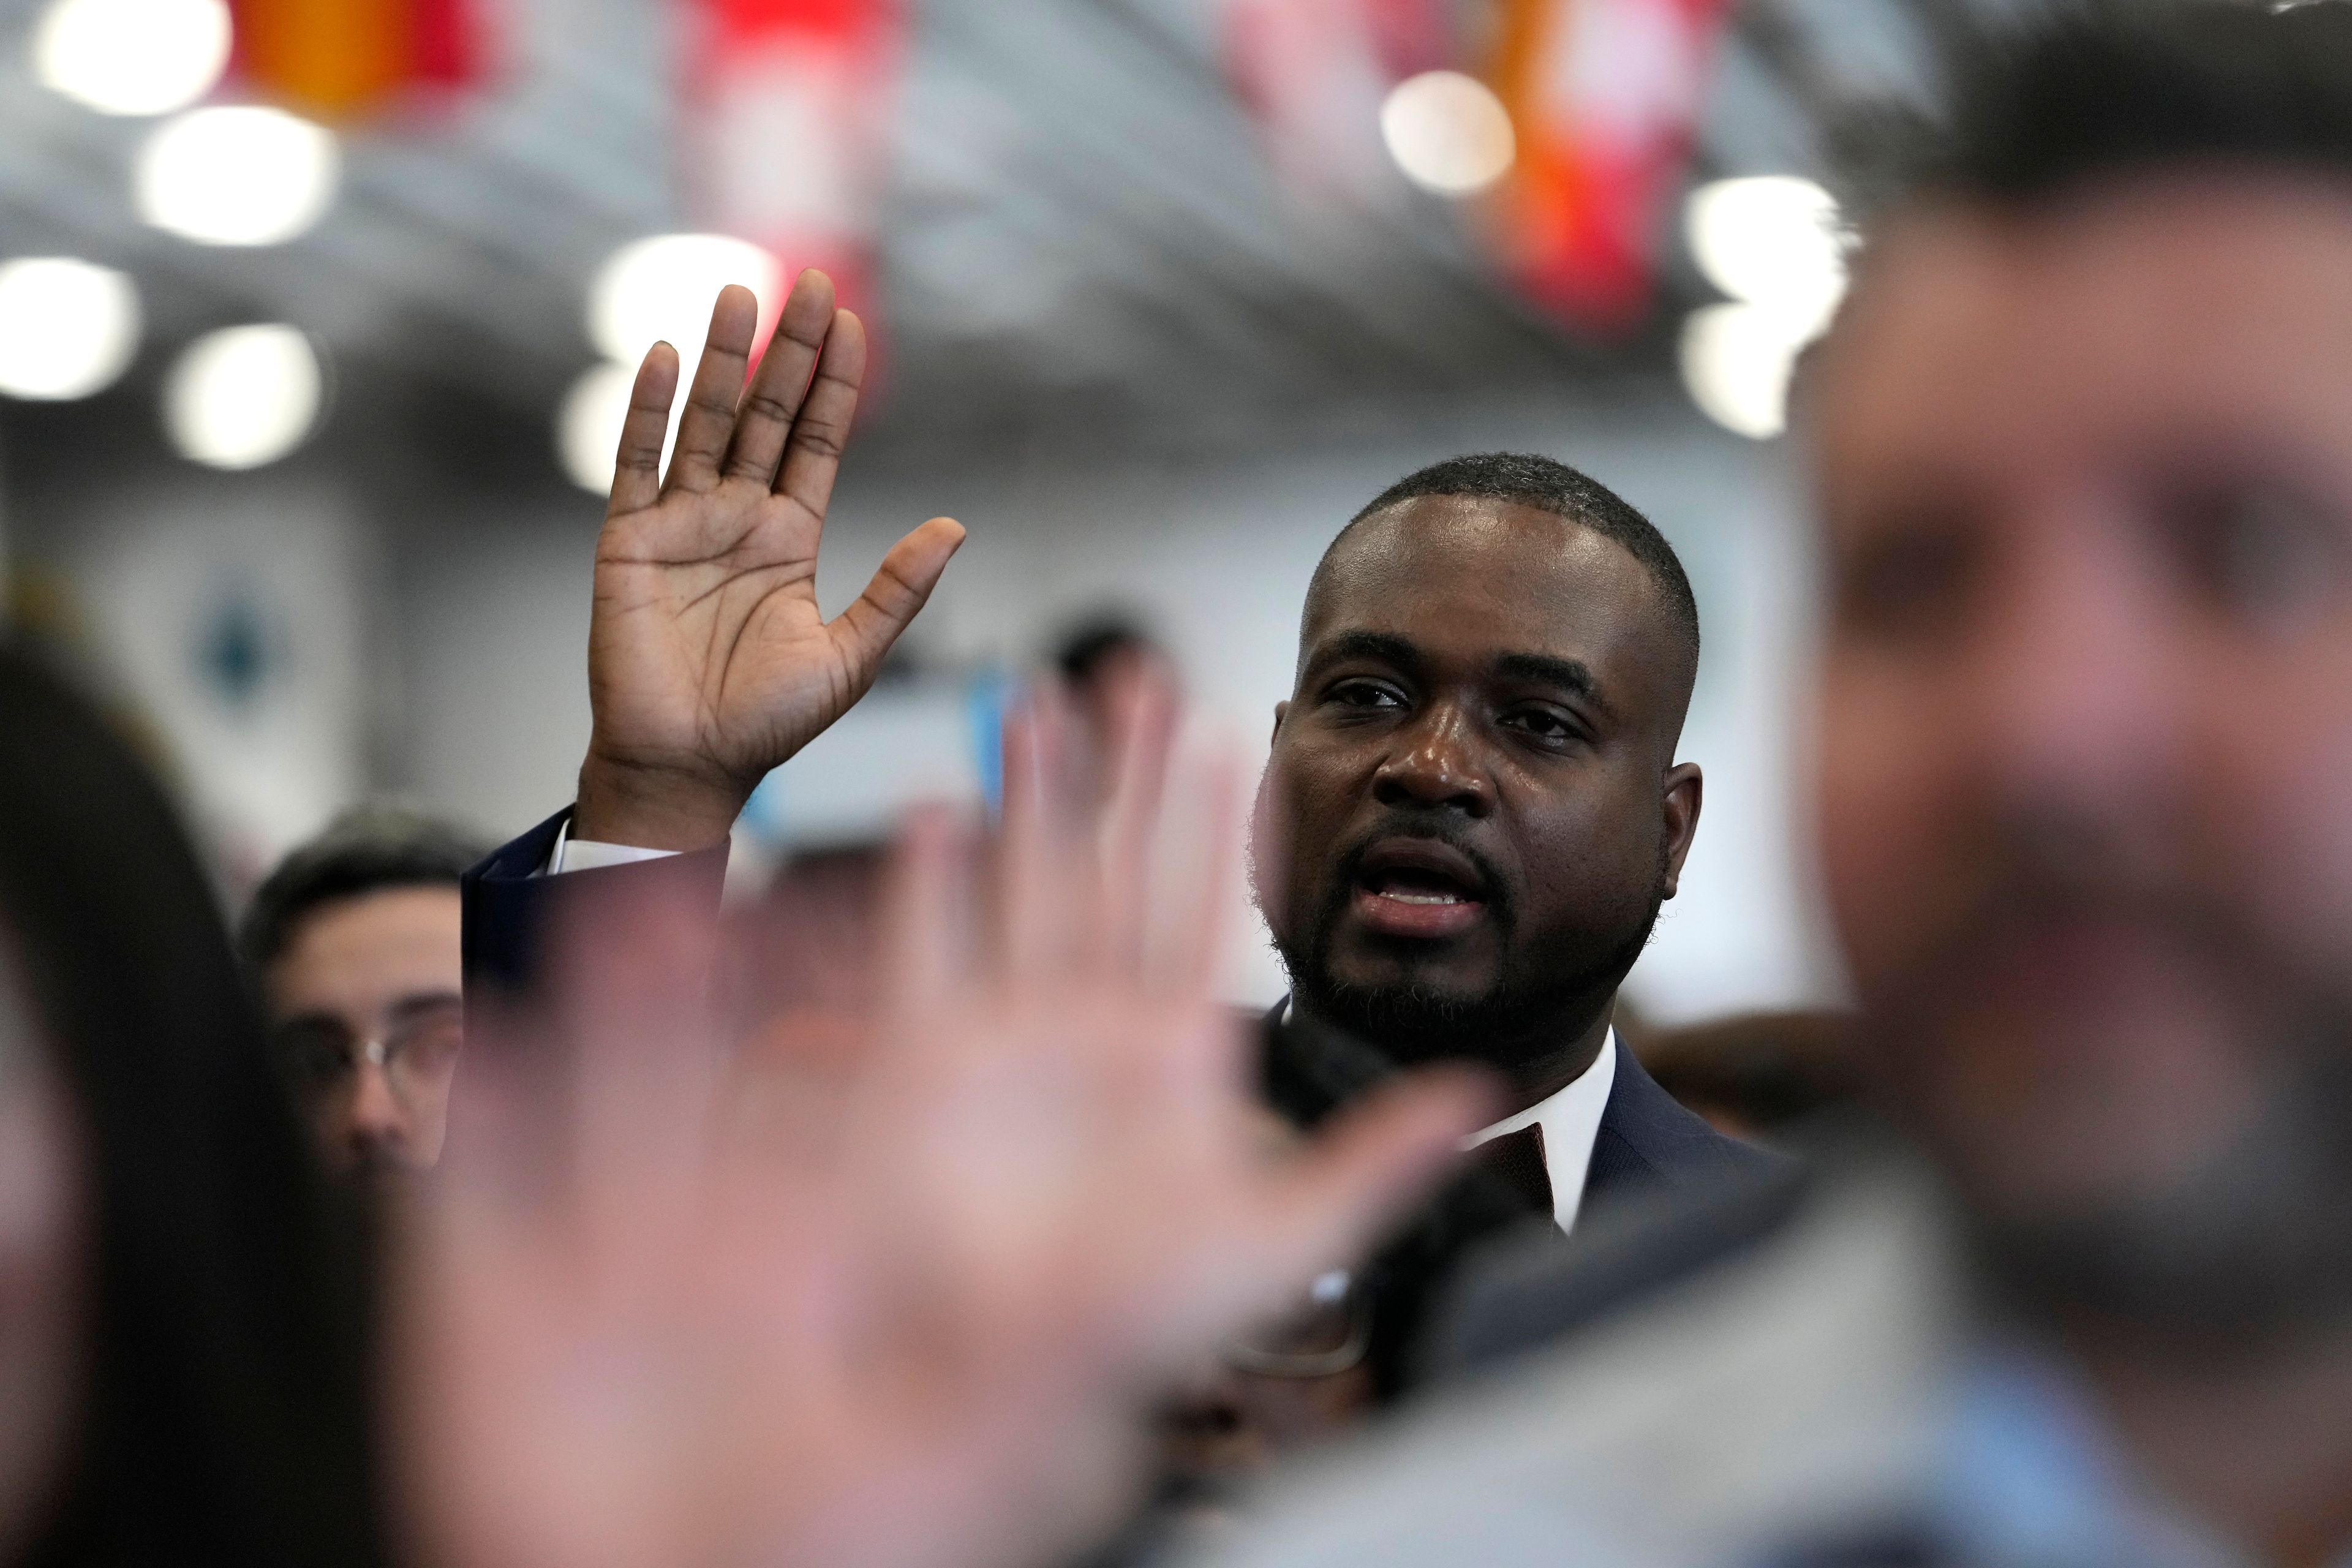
[(367, 849), (224, 1407), (1545, 484), (1080, 652), (2089, 91)]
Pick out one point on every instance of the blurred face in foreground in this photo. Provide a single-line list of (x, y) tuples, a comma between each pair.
[(2086, 763), (1472, 811), (42, 1241), (364, 1006)]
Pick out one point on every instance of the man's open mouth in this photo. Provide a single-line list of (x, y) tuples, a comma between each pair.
[(1419, 888)]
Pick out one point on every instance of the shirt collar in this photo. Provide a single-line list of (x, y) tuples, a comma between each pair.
[(1570, 1119)]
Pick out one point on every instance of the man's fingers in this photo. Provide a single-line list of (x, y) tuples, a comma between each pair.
[(636, 468), (813, 455), (1188, 944), (775, 396), (1032, 882), (709, 418), (1144, 717), (925, 908), (865, 631), (1371, 1161)]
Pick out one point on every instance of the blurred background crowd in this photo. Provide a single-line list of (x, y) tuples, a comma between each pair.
[(317, 318)]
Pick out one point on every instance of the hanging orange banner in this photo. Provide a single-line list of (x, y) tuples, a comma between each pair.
[(343, 59)]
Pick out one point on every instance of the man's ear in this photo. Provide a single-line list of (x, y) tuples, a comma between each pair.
[(1685, 788), (1280, 709)]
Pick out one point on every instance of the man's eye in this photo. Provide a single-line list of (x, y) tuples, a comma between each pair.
[(1541, 723), (1904, 582), (316, 1056), (2262, 553), (1364, 694)]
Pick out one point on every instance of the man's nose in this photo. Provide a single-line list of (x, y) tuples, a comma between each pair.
[(2081, 701), (1437, 764), (379, 1123)]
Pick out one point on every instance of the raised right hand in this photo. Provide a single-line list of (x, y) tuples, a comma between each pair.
[(708, 661)]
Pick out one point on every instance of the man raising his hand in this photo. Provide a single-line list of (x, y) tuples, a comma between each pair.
[(708, 661)]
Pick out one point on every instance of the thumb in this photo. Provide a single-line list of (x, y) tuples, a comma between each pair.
[(901, 585), (1374, 1160)]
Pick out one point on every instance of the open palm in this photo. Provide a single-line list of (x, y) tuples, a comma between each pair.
[(918, 1330), (709, 661)]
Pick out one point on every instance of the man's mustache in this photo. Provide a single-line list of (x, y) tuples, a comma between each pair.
[(2010, 897), (1348, 871)]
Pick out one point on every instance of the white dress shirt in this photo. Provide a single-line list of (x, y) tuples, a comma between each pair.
[(1571, 1125), (1570, 1119), (572, 854)]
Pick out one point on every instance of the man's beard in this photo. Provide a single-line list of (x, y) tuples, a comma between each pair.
[(2235, 1246), (2248, 1247), (1515, 1023)]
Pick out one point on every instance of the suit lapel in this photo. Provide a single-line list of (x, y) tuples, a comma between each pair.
[(1648, 1137)]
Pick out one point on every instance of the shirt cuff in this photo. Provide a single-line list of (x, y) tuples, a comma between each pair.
[(572, 854)]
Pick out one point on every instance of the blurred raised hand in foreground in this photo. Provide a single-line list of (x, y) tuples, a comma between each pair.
[(916, 1317)]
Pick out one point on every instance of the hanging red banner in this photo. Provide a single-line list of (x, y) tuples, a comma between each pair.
[(1605, 97), (788, 106)]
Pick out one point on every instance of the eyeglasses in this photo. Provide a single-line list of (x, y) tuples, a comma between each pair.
[(1326, 1333), (419, 1050)]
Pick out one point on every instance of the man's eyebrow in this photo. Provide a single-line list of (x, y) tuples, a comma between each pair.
[(1569, 674), (417, 1002), (1379, 646)]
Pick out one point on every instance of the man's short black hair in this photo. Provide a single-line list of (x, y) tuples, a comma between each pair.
[(2090, 91), (1081, 652), (1524, 479), (368, 849)]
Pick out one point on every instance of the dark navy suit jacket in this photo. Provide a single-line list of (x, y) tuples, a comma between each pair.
[(510, 907)]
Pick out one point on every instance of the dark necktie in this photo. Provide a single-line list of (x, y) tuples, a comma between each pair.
[(1516, 1159)]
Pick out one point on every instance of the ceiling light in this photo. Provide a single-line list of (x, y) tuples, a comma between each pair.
[(1772, 242), (131, 57), (239, 174), (588, 426), (662, 289), (67, 327), (243, 396), (1448, 132), (1737, 361)]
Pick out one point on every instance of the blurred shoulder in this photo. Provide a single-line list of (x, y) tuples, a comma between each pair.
[(1675, 1418)]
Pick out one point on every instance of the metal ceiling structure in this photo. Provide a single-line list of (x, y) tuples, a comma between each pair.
[(1080, 224)]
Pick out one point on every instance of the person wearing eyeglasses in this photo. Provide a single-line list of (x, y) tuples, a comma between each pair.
[(353, 945)]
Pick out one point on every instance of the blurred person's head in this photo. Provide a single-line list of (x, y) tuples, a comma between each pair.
[(2086, 702), (1098, 660), (1473, 811), (182, 1351), (1103, 649), (354, 942)]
